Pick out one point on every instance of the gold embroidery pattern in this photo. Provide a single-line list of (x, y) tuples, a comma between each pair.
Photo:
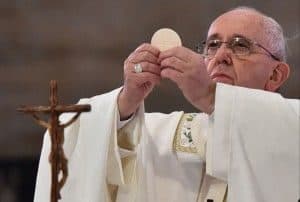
[(183, 141)]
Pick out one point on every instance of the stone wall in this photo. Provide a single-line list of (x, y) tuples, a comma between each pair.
[(83, 44)]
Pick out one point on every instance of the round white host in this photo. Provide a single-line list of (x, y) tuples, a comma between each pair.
[(165, 39)]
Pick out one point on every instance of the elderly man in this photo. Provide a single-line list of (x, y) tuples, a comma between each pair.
[(243, 147)]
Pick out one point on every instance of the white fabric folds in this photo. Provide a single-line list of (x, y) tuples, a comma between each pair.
[(252, 146), (255, 145), (86, 147)]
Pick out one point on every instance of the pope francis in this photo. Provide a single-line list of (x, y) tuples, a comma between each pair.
[(242, 147)]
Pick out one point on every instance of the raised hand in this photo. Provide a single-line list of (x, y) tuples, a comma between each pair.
[(187, 69), (137, 86)]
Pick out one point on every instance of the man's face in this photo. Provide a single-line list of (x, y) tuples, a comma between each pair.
[(253, 70)]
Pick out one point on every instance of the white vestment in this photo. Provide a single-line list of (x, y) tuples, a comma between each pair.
[(251, 142)]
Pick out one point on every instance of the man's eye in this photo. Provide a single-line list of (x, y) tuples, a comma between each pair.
[(213, 44), (241, 43)]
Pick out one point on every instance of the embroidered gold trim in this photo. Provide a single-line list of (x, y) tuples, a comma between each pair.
[(177, 146), (213, 188)]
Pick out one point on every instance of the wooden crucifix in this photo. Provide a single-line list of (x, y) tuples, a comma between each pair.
[(57, 157)]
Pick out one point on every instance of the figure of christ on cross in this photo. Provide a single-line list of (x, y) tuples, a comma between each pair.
[(57, 157)]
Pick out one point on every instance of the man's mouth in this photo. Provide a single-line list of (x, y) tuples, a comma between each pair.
[(222, 78)]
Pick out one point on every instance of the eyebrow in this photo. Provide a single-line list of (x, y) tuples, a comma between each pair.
[(241, 36), (218, 36), (213, 36)]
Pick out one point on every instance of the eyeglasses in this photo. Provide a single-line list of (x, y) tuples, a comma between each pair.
[(239, 46)]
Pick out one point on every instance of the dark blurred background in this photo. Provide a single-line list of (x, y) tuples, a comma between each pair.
[(83, 44)]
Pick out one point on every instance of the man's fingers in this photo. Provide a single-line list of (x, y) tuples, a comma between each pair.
[(148, 47), (152, 68), (146, 67), (145, 77), (174, 62), (137, 57), (171, 74), (180, 52)]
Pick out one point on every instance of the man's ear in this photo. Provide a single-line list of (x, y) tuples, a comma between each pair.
[(279, 75)]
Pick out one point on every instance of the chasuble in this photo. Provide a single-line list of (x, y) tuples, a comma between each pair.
[(247, 150)]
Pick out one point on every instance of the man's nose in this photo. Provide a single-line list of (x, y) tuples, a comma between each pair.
[(224, 55)]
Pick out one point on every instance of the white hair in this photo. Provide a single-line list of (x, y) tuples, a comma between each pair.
[(272, 30)]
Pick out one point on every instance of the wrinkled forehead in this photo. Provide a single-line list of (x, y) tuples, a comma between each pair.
[(244, 23)]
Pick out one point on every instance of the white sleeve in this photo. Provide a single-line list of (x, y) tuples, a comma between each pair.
[(122, 147)]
